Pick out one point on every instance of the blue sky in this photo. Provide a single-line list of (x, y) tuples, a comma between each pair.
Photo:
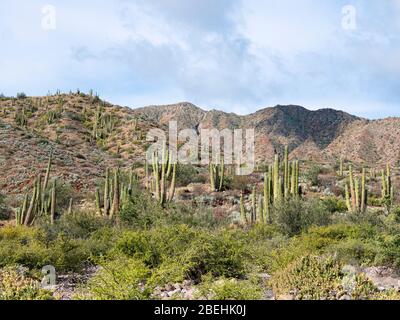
[(233, 55)]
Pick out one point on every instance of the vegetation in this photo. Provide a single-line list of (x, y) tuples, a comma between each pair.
[(142, 228)]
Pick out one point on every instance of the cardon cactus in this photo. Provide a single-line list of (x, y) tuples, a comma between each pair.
[(40, 201), (217, 173), (164, 175), (387, 186), (357, 197)]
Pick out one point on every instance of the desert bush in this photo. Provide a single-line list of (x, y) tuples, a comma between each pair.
[(35, 247), (228, 289), (193, 251), (3, 208), (296, 215), (78, 226), (15, 285), (21, 95), (317, 241), (389, 295), (333, 204), (140, 210), (239, 183), (186, 174), (120, 279), (312, 174), (319, 278), (192, 215)]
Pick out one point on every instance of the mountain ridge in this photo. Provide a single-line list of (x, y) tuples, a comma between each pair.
[(66, 123)]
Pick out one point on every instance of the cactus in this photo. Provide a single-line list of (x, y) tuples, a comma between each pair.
[(106, 206), (21, 119), (341, 168), (267, 199), (286, 183), (69, 212), (347, 195), (356, 199), (387, 187), (53, 201), (243, 216), (217, 173), (146, 174), (363, 192), (277, 186), (116, 195), (253, 206), (162, 175), (47, 176), (97, 198), (260, 209)]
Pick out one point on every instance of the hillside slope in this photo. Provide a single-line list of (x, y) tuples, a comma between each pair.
[(86, 135)]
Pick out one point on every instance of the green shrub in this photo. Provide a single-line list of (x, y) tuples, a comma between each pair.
[(317, 241), (34, 248), (21, 95), (141, 210), (296, 215), (3, 209), (186, 174), (78, 226), (333, 204), (319, 278), (312, 174), (15, 285), (120, 279), (228, 289), (192, 215), (194, 252)]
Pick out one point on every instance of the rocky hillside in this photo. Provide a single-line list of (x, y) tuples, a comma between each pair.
[(322, 135), (86, 135)]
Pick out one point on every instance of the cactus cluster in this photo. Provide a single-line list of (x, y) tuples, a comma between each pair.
[(341, 168), (118, 190), (20, 118), (356, 194), (283, 180), (103, 124), (163, 179), (387, 189), (280, 182), (42, 202), (217, 172)]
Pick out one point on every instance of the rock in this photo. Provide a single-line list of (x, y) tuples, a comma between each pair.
[(177, 286), (384, 278), (285, 297), (169, 287), (187, 283), (345, 297)]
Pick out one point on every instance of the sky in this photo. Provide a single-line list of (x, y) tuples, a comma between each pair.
[(232, 55)]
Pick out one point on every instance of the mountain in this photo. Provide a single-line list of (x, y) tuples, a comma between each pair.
[(85, 139), (309, 134)]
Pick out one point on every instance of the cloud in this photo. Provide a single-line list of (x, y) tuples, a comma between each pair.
[(234, 55)]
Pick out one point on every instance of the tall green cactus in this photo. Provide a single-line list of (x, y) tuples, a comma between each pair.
[(267, 198), (38, 204), (253, 206), (217, 174), (387, 186), (53, 202), (357, 197), (341, 168), (243, 216), (162, 175)]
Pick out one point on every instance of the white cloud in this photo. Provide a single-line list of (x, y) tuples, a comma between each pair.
[(236, 55)]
